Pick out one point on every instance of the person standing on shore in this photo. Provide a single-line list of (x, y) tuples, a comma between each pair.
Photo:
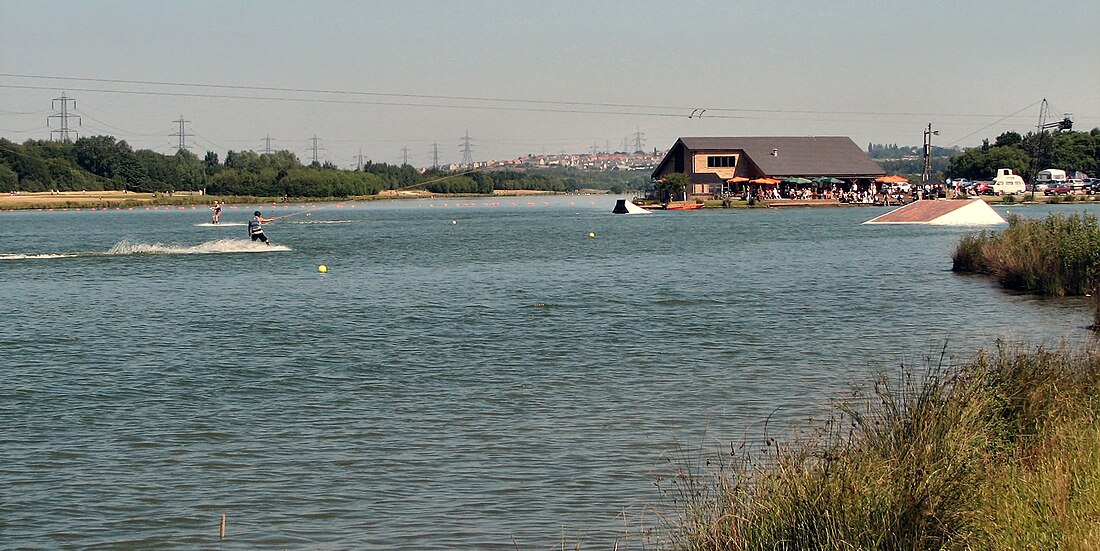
[(256, 229)]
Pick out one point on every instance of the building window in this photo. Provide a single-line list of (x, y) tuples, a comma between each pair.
[(721, 161)]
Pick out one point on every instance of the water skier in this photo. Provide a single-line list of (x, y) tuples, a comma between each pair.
[(217, 208), (256, 229)]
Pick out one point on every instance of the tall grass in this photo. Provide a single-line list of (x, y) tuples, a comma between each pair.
[(1000, 453), (1058, 255)]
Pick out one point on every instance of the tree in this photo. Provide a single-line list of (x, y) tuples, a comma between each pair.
[(189, 171), (1076, 152), (672, 186), (9, 180), (211, 163), (982, 163), (280, 160), (1008, 139), (101, 155)]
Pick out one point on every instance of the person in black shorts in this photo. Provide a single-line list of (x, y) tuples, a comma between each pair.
[(217, 208), (256, 229)]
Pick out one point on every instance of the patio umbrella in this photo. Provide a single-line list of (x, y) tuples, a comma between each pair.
[(737, 180), (797, 180), (828, 180), (765, 181), (891, 180)]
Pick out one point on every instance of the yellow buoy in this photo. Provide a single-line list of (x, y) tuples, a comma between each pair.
[(322, 268)]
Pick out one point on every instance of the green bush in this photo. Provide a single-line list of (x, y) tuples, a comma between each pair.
[(1057, 256)]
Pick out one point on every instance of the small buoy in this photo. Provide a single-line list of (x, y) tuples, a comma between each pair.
[(591, 234), (322, 268), (454, 221)]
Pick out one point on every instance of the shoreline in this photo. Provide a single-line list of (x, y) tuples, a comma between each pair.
[(120, 199)]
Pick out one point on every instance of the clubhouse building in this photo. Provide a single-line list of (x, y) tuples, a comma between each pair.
[(724, 166)]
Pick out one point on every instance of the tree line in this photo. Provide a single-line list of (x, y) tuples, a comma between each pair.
[(105, 163), (880, 151), (1028, 154)]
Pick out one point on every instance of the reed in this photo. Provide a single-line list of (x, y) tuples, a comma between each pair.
[(1058, 255), (1000, 453)]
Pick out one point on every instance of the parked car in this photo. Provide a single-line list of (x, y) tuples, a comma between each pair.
[(1039, 186), (982, 188), (1062, 189)]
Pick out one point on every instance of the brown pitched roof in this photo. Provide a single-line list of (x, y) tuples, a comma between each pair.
[(836, 156)]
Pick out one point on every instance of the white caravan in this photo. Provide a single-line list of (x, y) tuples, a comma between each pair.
[(1007, 183)]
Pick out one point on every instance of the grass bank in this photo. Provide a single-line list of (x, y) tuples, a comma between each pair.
[(1057, 256), (121, 199), (99, 199), (1000, 453)]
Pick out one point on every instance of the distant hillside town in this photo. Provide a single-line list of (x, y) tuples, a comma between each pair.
[(640, 161)]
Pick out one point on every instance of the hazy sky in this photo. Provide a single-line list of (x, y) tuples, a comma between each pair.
[(542, 77)]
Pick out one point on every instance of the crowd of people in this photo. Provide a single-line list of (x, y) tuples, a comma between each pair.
[(854, 194)]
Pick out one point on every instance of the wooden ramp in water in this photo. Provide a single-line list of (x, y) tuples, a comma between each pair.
[(942, 212)]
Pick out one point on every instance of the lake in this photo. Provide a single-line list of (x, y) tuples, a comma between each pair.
[(469, 373)]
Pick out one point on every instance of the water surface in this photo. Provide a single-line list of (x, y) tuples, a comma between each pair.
[(468, 374)]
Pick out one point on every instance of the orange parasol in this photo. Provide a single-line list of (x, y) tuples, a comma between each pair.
[(765, 181), (891, 180), (737, 180)]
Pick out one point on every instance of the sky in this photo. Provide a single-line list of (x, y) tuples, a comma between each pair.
[(401, 79)]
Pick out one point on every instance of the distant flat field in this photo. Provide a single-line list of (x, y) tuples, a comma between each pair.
[(72, 198)]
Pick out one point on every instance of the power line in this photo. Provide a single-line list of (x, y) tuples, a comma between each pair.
[(518, 109), (83, 113), (359, 163), (996, 122), (6, 112), (211, 142), (357, 102), (64, 132), (182, 133), (27, 131), (315, 148), (682, 110), (467, 150)]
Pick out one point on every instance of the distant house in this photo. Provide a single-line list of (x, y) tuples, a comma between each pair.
[(711, 162)]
